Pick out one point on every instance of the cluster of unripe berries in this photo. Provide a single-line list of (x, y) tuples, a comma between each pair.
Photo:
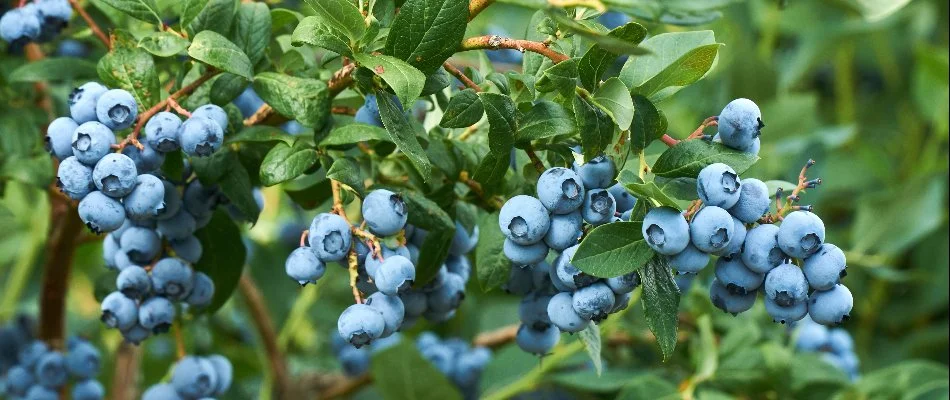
[(195, 378), (33, 371), (835, 345), (40, 21), (561, 298)]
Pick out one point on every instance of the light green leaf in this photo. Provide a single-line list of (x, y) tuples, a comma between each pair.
[(347, 172), (261, 134), (612, 249), (610, 43), (396, 371), (491, 266), (561, 77), (615, 99), (590, 336), (402, 78), (648, 124), (315, 32), (283, 163), (341, 16), (425, 33), (354, 133), (677, 59), (252, 30), (596, 60), (164, 44), (214, 15), (190, 10), (545, 119), (145, 10), (217, 51), (303, 99)]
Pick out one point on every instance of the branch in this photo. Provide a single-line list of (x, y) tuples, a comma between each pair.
[(461, 77), (265, 327), (346, 386), (669, 140), (66, 228), (92, 24), (496, 338), (494, 42), (126, 371), (477, 6), (341, 79), (261, 114), (535, 160)]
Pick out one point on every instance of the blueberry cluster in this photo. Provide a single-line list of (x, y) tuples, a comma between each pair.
[(356, 361), (559, 297), (835, 345), (195, 378), (40, 21), (34, 371), (456, 359)]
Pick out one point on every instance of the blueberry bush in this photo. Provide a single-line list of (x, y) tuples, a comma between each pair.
[(467, 199)]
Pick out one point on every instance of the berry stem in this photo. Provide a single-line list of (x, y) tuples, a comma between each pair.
[(475, 7), (180, 351), (535, 160), (343, 110), (495, 42), (461, 76), (303, 237), (172, 104), (669, 140), (96, 30), (698, 133), (693, 208), (354, 275), (783, 208), (260, 115), (265, 328)]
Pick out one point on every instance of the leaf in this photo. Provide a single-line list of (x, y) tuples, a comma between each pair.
[(214, 15), (876, 10), (596, 128), (303, 99), (596, 60), (222, 258), (661, 299), (164, 44), (354, 133), (227, 87), (491, 265), (590, 336), (464, 109), (283, 163), (396, 371), (425, 33), (252, 30), (145, 10), (341, 16), (426, 214), (889, 223), (491, 171), (63, 69), (562, 77), (545, 119), (689, 157), (261, 134), (236, 186), (677, 59), (435, 82), (649, 386), (217, 51), (401, 133), (648, 124), (402, 78), (502, 125), (347, 172), (610, 43), (645, 190), (190, 10), (315, 32), (703, 349), (612, 249), (128, 67), (614, 98)]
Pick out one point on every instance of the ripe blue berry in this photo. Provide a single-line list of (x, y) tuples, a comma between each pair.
[(54, 11), (31, 353), (82, 102), (396, 274), (74, 178), (599, 207), (171, 201), (560, 190), (89, 389), (146, 199), (594, 301), (91, 141), (520, 280), (391, 308), (624, 283), (20, 25), (303, 266), (839, 340), (200, 137), (740, 123), (200, 200), (384, 212), (368, 113), (825, 268), (727, 301), (172, 278), (598, 173), (161, 391), (355, 362), (101, 213), (188, 249), (753, 201), (760, 252), (39, 392), (59, 137), (179, 226), (115, 175), (537, 340), (372, 262), (525, 255), (414, 302), (625, 200), (202, 292), (147, 160), (566, 274), (718, 185), (223, 371), (194, 378), (459, 265), (738, 279), (447, 297), (786, 285), (330, 237), (162, 132), (248, 102), (712, 229), (156, 314), (621, 302), (613, 19), (533, 310), (666, 230), (831, 307), (524, 220), (811, 336), (50, 370), (117, 109), (739, 232), (360, 324), (140, 244), (564, 231), (134, 282), (214, 113), (561, 313), (785, 314), (801, 234), (18, 380), (119, 312), (689, 261), (462, 242), (83, 360)]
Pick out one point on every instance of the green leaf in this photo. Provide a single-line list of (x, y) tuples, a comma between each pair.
[(217, 51), (252, 30), (214, 15), (354, 133), (347, 172), (645, 190), (316, 32), (396, 372), (426, 214), (164, 44), (612, 249), (491, 265), (283, 163), (648, 124), (689, 157), (491, 171), (661, 299), (703, 349), (614, 98), (236, 186), (402, 78), (596, 127), (52, 69), (649, 386), (890, 222), (306, 100), (677, 59), (145, 10), (464, 109), (562, 77), (341, 16), (807, 369), (190, 10), (401, 133), (502, 125), (435, 82), (425, 33), (128, 67), (226, 87), (610, 43), (261, 134), (545, 119), (876, 10), (222, 258), (597, 60), (590, 336)]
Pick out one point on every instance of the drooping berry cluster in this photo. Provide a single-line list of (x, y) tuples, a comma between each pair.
[(39, 21), (356, 361), (835, 345), (193, 378), (457, 360)]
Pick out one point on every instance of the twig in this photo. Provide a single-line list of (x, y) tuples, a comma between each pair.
[(669, 140), (346, 386), (343, 110), (535, 160), (260, 115), (341, 79), (694, 207), (473, 185), (180, 351), (461, 77), (265, 327), (353, 269), (126, 371), (178, 108), (65, 228), (477, 6), (496, 338), (96, 30), (495, 42), (698, 133)]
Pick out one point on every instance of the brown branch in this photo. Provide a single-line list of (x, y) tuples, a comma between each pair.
[(172, 104), (496, 338), (477, 6), (495, 42), (346, 386), (65, 229), (472, 184), (265, 327), (126, 371), (96, 30), (669, 140), (343, 110), (260, 115), (341, 79), (535, 160), (461, 77)]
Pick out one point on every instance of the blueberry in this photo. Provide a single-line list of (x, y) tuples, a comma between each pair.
[(82, 102), (368, 113), (537, 340), (303, 266), (355, 362), (441, 356), (463, 242), (20, 25), (214, 113), (119, 312), (760, 252), (712, 229), (122, 261), (565, 230), (134, 282), (414, 302), (727, 301), (624, 283), (599, 207), (811, 336), (666, 230), (140, 244), (89, 389), (567, 274), (18, 380), (83, 360), (372, 262), (825, 268), (188, 249), (718, 185), (91, 141), (786, 285), (101, 213), (739, 232), (171, 201), (162, 391), (223, 371), (560, 190), (136, 334), (147, 160), (448, 297), (200, 137), (146, 199), (330, 237), (39, 392), (469, 367), (248, 102), (194, 377), (533, 309), (740, 123), (55, 12), (785, 314), (839, 340), (520, 281), (179, 226), (459, 265), (172, 278), (594, 301), (613, 19), (115, 175), (737, 278), (384, 212), (396, 274), (162, 130), (360, 324), (156, 314), (598, 173), (801, 234), (391, 308), (690, 261), (625, 200), (59, 137), (525, 255), (561, 313), (110, 246), (200, 200), (117, 109), (831, 307), (753, 201), (203, 291), (50, 370), (621, 302), (524, 220), (437, 316), (74, 178), (30, 354)]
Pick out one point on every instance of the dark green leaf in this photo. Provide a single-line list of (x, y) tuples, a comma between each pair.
[(426, 214), (689, 157), (491, 265), (215, 15), (190, 10), (562, 78), (597, 59), (491, 171), (222, 258), (252, 30), (64, 69), (226, 87), (131, 68), (309, 195), (396, 371), (612, 249), (354, 133), (649, 124), (217, 51), (614, 98), (284, 163), (303, 99), (435, 82), (261, 134), (347, 172), (164, 44), (425, 33), (402, 78), (661, 299), (236, 185), (465, 109), (613, 44), (315, 32), (545, 119), (402, 134), (596, 127), (502, 122), (145, 10)]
